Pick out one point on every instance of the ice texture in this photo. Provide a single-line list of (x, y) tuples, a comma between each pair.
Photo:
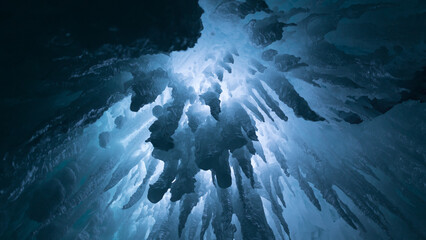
[(282, 120)]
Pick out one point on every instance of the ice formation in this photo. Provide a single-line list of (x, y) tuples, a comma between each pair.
[(285, 120)]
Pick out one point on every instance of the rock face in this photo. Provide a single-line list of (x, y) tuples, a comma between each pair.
[(257, 120)]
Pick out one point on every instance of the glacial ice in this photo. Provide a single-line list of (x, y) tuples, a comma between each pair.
[(272, 126)]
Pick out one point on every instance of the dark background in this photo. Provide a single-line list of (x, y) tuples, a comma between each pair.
[(45, 44)]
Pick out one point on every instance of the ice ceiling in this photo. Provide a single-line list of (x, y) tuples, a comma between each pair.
[(285, 120)]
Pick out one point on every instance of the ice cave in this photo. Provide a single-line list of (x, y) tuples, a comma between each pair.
[(213, 119)]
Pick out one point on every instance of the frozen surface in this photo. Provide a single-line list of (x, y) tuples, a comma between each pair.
[(285, 120)]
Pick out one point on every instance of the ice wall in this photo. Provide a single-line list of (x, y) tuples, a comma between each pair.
[(286, 120)]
